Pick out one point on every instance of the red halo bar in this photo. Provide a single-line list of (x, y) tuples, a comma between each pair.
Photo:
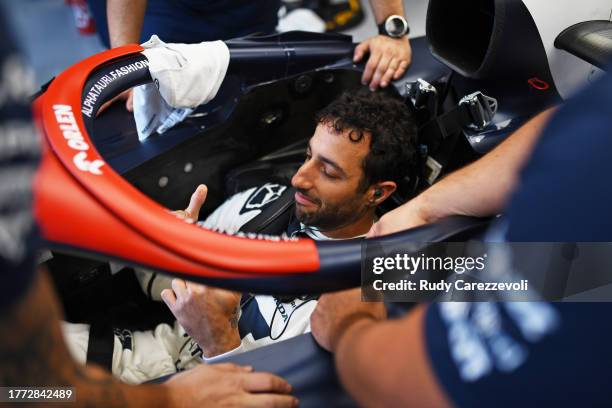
[(97, 210)]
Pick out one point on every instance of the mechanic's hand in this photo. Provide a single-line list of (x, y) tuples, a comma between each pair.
[(209, 315), (337, 312), (399, 219), (192, 212), (228, 385), (389, 59), (127, 96)]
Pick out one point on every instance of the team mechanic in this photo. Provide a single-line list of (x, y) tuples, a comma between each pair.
[(364, 145), (123, 22)]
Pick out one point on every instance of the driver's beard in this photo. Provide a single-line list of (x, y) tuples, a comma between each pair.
[(331, 218)]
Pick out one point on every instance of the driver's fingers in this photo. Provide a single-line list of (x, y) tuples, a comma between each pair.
[(180, 213), (179, 287), (264, 382), (168, 297), (196, 202), (386, 78), (268, 401), (196, 287)]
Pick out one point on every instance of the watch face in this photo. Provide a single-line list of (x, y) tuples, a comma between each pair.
[(396, 26)]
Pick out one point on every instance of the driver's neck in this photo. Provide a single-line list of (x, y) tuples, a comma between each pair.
[(355, 229)]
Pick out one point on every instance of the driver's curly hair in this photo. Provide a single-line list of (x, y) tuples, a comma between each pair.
[(393, 130)]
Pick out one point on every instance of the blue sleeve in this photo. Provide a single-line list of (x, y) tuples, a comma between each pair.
[(521, 354), (533, 354), (565, 192), (19, 155)]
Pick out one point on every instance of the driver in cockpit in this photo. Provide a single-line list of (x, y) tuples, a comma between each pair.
[(363, 147)]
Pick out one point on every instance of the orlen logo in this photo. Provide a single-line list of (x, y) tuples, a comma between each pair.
[(65, 118)]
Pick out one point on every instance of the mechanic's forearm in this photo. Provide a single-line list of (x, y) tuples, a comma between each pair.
[(483, 187), (385, 364), (33, 353), (384, 8), (125, 19)]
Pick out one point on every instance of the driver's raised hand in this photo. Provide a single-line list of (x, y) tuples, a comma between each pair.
[(192, 212), (228, 385)]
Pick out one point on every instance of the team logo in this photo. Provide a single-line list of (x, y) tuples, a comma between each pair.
[(74, 138), (125, 338), (263, 196)]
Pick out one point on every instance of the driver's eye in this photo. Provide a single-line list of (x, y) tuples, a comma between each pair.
[(328, 174)]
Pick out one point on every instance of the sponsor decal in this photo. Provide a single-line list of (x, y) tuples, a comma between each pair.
[(64, 117), (94, 92)]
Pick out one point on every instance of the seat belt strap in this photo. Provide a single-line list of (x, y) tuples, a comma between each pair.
[(273, 219), (101, 344), (474, 111)]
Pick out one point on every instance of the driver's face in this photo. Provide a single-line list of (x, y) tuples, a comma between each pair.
[(328, 183)]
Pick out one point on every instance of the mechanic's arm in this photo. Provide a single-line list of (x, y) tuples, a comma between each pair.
[(479, 189), (33, 353), (380, 362), (389, 57), (125, 19)]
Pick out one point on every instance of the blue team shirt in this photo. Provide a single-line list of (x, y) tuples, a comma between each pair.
[(19, 154), (193, 21), (531, 354)]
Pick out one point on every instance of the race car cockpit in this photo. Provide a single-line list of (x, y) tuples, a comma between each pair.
[(102, 193)]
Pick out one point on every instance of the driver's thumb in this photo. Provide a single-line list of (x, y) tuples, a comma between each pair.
[(197, 200)]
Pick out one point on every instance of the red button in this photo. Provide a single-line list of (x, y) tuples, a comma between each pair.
[(538, 84)]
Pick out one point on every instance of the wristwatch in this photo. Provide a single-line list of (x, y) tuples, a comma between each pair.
[(394, 26)]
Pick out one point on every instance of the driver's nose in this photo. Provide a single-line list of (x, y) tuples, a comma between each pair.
[(301, 180)]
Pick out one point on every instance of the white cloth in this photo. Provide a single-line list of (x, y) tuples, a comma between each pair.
[(184, 77), (153, 114)]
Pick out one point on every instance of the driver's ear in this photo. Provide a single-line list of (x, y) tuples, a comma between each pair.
[(379, 192)]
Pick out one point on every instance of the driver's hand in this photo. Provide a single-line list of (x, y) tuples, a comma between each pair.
[(192, 212), (389, 59), (228, 385), (209, 315)]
